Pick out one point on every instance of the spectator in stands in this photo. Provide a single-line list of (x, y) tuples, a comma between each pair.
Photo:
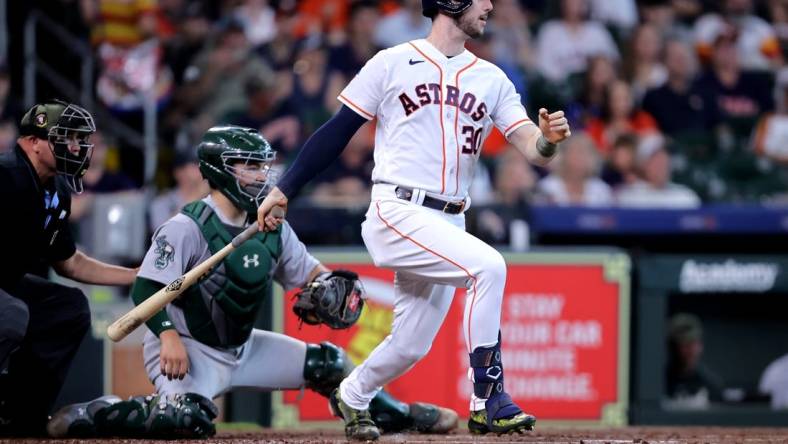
[(328, 17), (600, 74), (9, 107), (690, 385), (778, 18), (269, 113), (515, 185), (771, 134), (621, 15), (673, 18), (658, 13), (346, 181), (189, 186), (489, 47), (677, 106), (688, 11), (515, 180), (511, 38), (280, 52), (10, 112), (643, 68), (733, 97), (774, 382), (258, 19), (99, 178), (125, 35), (564, 45), (619, 116), (654, 188), (574, 180), (120, 23), (405, 24), (313, 90), (192, 27), (215, 81), (348, 58), (8, 134), (482, 190), (619, 169), (757, 46)]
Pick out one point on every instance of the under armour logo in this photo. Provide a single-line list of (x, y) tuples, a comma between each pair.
[(251, 260)]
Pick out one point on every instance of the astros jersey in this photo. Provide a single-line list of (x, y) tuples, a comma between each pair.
[(433, 114)]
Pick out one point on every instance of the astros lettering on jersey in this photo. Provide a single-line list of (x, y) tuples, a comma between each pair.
[(433, 114)]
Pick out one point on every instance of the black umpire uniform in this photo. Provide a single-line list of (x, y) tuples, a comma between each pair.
[(41, 323)]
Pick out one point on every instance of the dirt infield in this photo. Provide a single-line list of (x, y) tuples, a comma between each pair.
[(640, 435)]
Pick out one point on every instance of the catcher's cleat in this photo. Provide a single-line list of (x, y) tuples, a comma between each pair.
[(428, 418), (76, 420), (519, 423), (358, 423)]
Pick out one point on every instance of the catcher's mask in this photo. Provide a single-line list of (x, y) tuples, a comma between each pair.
[(67, 127), (452, 8), (238, 162)]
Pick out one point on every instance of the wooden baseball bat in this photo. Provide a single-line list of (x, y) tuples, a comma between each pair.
[(149, 307)]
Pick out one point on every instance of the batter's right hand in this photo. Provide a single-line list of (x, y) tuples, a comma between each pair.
[(268, 216), (173, 359)]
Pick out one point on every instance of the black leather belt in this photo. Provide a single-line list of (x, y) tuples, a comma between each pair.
[(432, 202)]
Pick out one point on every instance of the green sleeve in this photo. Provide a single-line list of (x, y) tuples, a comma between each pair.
[(143, 289)]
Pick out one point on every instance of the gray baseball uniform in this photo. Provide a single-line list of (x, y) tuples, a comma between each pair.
[(267, 360)]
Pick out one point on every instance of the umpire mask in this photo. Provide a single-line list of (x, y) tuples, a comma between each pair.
[(69, 139), (67, 128)]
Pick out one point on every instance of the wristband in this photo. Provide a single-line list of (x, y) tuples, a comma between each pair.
[(546, 148)]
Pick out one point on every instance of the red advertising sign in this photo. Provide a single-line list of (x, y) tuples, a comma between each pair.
[(561, 326)]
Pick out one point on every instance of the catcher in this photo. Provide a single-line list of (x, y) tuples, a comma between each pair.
[(204, 343)]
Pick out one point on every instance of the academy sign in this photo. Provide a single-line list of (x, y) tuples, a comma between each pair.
[(728, 276)]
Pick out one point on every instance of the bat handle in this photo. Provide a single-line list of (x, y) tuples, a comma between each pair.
[(245, 235)]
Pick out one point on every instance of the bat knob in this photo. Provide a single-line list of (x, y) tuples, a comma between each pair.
[(122, 327), (278, 212)]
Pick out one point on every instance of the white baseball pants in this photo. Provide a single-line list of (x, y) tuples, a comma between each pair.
[(431, 254)]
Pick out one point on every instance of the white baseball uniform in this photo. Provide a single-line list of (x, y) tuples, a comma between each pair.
[(433, 114)]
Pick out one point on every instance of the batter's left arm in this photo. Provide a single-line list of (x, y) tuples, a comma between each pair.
[(540, 144)]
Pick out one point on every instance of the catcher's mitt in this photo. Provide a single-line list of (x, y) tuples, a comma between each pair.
[(334, 299)]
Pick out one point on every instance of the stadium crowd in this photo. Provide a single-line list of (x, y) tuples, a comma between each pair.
[(673, 103)]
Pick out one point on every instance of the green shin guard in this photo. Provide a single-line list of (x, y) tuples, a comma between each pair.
[(389, 414), (326, 365)]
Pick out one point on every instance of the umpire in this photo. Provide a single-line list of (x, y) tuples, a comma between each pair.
[(43, 323)]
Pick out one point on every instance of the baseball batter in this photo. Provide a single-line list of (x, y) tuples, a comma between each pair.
[(204, 343), (435, 103)]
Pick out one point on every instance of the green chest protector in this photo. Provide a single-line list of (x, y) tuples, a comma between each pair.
[(221, 309)]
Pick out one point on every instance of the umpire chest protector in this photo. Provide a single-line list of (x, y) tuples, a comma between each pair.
[(222, 307)]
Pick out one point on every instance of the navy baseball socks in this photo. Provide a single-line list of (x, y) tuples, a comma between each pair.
[(500, 414)]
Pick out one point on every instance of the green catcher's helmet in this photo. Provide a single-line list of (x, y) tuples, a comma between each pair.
[(237, 161)]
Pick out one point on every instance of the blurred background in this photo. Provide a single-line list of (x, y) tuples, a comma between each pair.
[(678, 158)]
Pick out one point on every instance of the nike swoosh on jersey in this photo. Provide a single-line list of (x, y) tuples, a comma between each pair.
[(413, 62)]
